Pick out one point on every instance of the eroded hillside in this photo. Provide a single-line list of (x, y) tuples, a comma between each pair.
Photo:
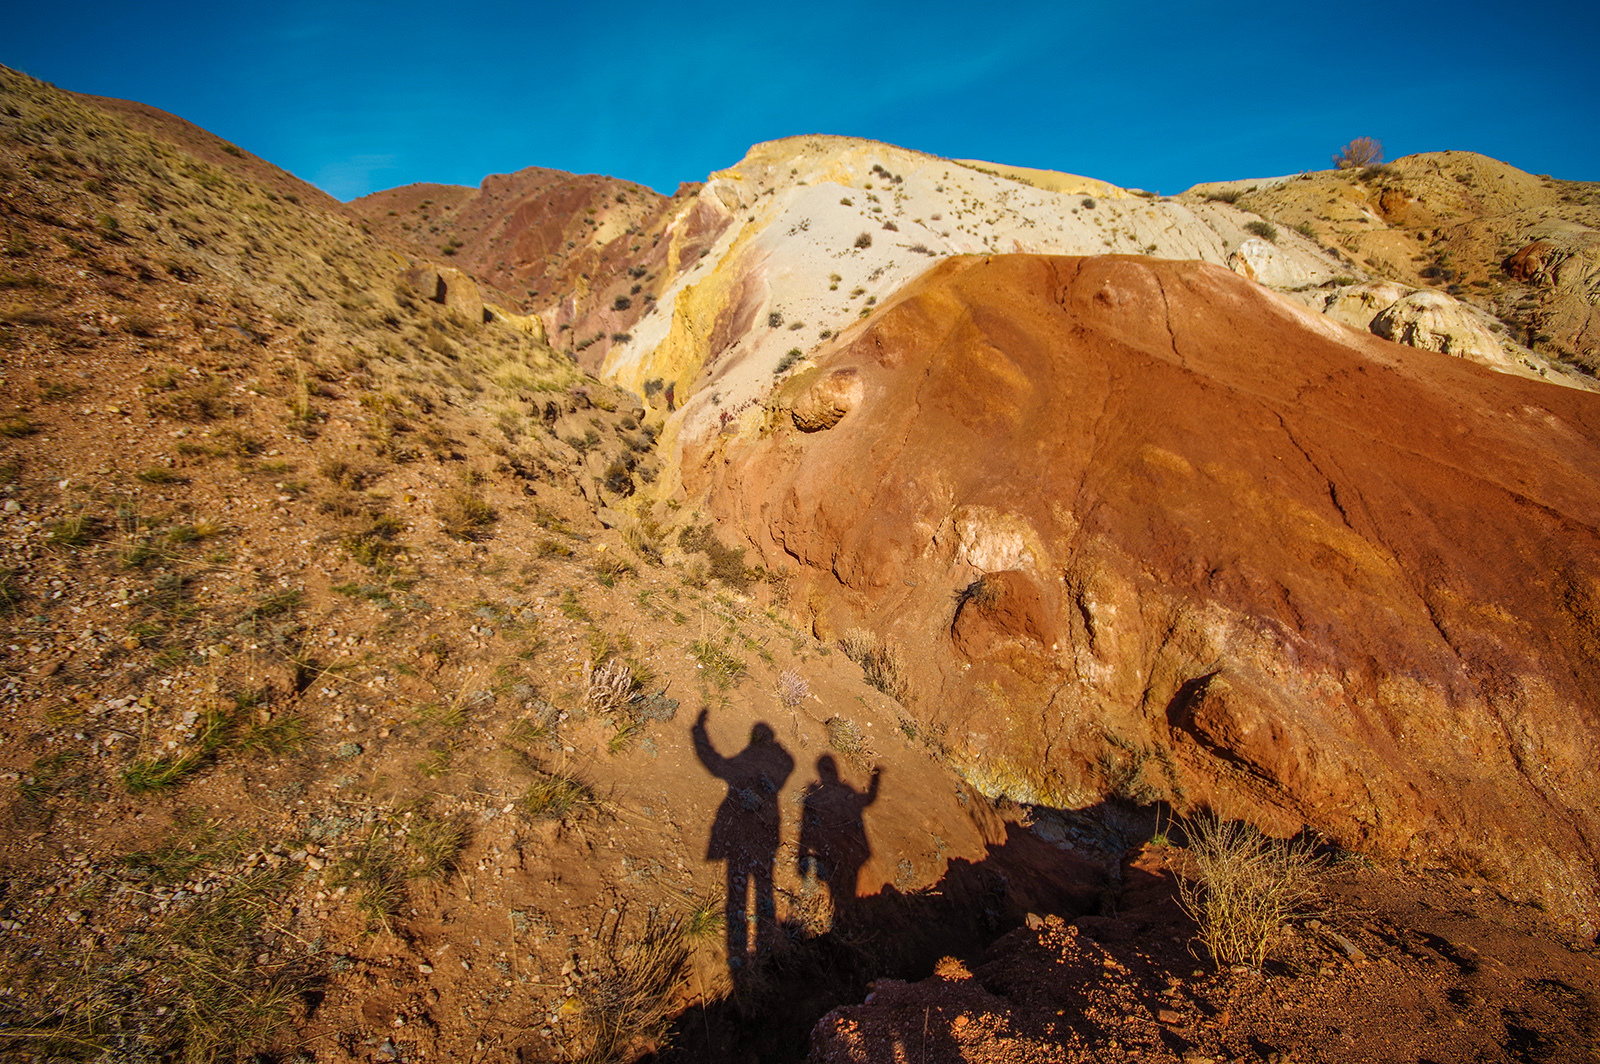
[(336, 723), (380, 685), (1522, 247)]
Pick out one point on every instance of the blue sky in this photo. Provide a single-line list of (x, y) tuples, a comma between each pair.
[(357, 97)]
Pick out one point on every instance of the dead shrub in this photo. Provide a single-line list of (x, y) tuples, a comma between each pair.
[(1359, 153), (883, 664), (1245, 887), (464, 514), (609, 688), (627, 1002)]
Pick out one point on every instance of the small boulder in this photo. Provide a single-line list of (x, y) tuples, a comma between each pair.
[(1268, 264), (448, 286), (1435, 322), (825, 403), (1358, 304)]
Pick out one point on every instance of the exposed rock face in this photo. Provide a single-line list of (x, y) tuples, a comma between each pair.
[(1358, 304), (447, 286), (1564, 266), (1263, 261), (1435, 322), (1141, 526), (827, 400)]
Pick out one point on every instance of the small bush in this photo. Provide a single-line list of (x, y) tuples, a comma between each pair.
[(793, 355), (1359, 153), (609, 688), (1223, 195), (464, 515), (1088, 203), (1263, 229), (864, 240), (727, 563), (846, 737), (792, 689), (1245, 888)]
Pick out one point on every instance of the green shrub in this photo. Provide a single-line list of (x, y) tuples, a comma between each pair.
[(1263, 229)]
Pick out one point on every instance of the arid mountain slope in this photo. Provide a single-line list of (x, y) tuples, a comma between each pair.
[(1525, 248), (544, 238), (1122, 524), (207, 147), (300, 573)]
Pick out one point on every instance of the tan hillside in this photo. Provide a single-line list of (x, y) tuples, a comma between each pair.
[(1520, 246)]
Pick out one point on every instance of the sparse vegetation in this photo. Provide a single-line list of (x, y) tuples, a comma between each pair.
[(560, 796), (627, 1002), (846, 737), (1359, 153), (1245, 887), (464, 514), (882, 663), (1261, 228)]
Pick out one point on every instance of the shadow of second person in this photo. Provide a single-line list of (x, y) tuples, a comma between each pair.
[(833, 834)]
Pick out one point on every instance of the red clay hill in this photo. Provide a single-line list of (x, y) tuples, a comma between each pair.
[(572, 245), (1134, 526)]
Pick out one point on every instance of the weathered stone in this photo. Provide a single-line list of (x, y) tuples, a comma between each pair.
[(827, 401), (448, 286), (1435, 322), (1265, 262)]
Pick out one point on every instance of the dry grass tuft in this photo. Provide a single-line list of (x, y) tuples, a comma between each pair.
[(846, 737), (464, 514), (883, 664), (1245, 888), (608, 689), (560, 796), (626, 1007)]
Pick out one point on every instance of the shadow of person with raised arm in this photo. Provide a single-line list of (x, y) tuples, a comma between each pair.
[(745, 834), (833, 836)]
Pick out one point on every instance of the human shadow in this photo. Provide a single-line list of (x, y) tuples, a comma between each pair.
[(833, 835), (901, 934), (745, 835)]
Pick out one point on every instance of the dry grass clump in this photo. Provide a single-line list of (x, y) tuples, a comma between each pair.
[(1245, 888), (883, 664), (560, 796), (846, 737), (626, 1006), (464, 514), (609, 688)]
